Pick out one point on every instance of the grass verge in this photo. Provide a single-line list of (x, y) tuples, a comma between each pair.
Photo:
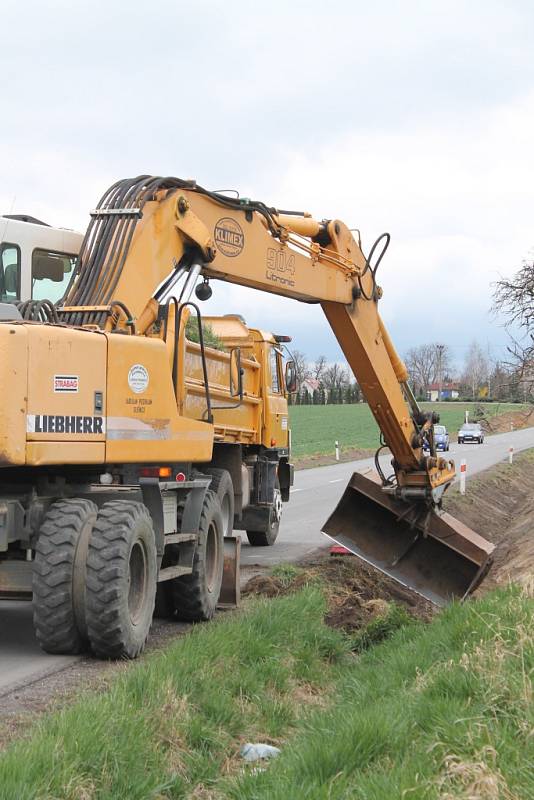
[(441, 710), (438, 711), (173, 725)]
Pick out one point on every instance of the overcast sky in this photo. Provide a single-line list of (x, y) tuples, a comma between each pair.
[(411, 117)]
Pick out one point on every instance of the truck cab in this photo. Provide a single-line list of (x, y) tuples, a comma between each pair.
[(36, 260)]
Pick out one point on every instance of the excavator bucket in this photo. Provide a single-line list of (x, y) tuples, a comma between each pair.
[(431, 553)]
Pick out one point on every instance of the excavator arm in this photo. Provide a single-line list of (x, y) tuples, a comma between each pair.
[(151, 235)]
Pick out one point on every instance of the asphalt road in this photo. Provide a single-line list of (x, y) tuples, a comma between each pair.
[(314, 495)]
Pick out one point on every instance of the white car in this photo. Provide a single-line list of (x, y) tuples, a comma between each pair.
[(471, 432)]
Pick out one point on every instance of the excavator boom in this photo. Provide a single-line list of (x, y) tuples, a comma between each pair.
[(147, 234)]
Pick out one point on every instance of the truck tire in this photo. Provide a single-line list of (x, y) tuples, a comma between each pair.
[(221, 484), (195, 596), (121, 579), (59, 576), (268, 537)]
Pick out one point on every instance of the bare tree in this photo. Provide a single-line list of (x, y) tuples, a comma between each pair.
[(514, 297), (318, 368), (301, 366), (476, 368), (335, 379), (426, 363)]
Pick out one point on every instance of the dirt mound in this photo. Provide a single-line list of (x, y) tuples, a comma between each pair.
[(356, 592), (499, 505), (512, 420)]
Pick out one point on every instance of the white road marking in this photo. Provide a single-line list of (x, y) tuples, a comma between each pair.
[(337, 480)]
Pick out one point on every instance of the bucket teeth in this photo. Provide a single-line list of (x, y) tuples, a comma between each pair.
[(431, 553)]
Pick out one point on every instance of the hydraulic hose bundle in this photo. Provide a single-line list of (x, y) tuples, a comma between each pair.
[(108, 238)]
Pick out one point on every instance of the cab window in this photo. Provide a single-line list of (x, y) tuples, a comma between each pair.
[(51, 273), (9, 272), (275, 374)]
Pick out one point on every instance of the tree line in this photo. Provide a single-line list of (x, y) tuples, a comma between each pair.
[(320, 383)]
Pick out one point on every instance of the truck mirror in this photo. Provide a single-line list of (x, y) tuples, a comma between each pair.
[(291, 377), (236, 373)]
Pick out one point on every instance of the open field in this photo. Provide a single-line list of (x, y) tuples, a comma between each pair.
[(316, 428)]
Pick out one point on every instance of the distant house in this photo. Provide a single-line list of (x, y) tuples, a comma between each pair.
[(449, 391), (309, 385)]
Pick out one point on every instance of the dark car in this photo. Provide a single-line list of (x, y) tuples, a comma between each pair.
[(441, 439), (471, 432)]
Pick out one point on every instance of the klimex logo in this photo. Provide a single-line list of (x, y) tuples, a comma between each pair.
[(229, 237)]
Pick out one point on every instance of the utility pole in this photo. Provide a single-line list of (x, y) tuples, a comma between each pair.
[(440, 348)]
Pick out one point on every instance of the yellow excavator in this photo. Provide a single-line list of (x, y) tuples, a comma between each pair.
[(129, 453)]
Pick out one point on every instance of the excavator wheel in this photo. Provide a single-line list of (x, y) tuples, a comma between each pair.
[(268, 537), (221, 484), (59, 576), (121, 579), (195, 596)]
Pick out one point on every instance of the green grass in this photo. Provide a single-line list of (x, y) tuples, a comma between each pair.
[(316, 428), (436, 711), (172, 723)]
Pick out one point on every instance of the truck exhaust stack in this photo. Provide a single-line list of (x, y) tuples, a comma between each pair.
[(431, 553)]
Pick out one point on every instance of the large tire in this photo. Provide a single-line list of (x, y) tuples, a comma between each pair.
[(221, 484), (121, 580), (268, 537), (59, 576), (195, 596)]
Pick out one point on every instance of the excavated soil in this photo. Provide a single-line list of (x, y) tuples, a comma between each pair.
[(512, 420), (356, 592), (499, 505)]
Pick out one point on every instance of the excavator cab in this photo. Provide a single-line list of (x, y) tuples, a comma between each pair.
[(421, 547)]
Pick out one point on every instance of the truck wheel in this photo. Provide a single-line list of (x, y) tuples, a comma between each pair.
[(221, 484), (121, 579), (59, 576), (195, 596), (268, 537)]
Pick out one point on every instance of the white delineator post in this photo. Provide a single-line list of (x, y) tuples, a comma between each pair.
[(337, 450), (511, 455), (463, 470)]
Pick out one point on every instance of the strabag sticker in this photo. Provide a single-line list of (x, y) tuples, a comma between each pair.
[(59, 423), (284, 423), (138, 378), (66, 383)]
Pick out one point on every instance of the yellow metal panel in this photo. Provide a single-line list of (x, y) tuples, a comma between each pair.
[(143, 422), (243, 415), (230, 327), (41, 453), (359, 333), (13, 379), (262, 262), (66, 366)]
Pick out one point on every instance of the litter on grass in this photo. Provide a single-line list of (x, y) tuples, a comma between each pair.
[(255, 752)]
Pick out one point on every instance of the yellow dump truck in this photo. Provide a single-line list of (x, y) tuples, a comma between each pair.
[(224, 407)]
